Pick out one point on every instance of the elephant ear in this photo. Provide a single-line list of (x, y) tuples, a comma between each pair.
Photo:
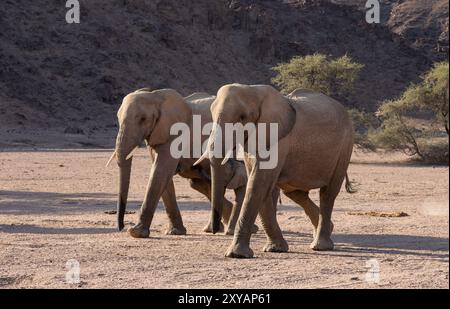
[(239, 178), (172, 109), (275, 108)]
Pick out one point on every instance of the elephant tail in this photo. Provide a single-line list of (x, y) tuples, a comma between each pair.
[(348, 185)]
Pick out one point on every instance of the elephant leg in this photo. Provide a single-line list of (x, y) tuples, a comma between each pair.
[(259, 191), (310, 208), (176, 226), (204, 187), (240, 194), (322, 238), (161, 173), (268, 215)]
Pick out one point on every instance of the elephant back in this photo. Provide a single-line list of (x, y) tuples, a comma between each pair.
[(198, 96), (200, 103)]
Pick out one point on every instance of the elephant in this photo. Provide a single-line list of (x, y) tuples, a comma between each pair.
[(148, 115), (315, 142)]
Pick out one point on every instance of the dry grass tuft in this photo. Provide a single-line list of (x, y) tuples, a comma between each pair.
[(379, 214)]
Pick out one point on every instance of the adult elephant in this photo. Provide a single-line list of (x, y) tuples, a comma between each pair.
[(315, 141), (148, 115)]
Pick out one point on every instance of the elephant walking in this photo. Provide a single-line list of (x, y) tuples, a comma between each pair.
[(315, 142), (148, 115)]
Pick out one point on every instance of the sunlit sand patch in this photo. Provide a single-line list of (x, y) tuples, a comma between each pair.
[(432, 207)]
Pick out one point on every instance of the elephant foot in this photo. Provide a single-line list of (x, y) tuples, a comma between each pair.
[(239, 252), (230, 231), (208, 228), (172, 230), (322, 244), (139, 231), (280, 246), (331, 230)]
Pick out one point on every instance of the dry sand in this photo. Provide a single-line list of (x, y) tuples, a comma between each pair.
[(53, 203)]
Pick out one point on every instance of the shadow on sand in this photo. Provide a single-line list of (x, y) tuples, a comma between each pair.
[(370, 244), (394, 244), (25, 203), (34, 229)]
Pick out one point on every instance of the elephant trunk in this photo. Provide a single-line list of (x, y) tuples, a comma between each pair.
[(217, 174), (215, 154), (124, 184), (124, 149), (217, 192)]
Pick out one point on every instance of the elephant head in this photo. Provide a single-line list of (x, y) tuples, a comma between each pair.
[(243, 104), (148, 116)]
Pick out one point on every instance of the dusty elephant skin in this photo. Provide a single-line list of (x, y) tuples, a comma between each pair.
[(43, 224), (315, 142), (147, 115)]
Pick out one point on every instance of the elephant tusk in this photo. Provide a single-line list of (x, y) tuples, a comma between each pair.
[(132, 153), (203, 157), (240, 154), (111, 158), (208, 150), (227, 157)]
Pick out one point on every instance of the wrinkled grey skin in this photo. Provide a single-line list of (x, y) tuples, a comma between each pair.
[(148, 115), (315, 141)]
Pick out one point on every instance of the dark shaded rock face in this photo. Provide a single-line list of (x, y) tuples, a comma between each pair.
[(422, 24), (53, 72)]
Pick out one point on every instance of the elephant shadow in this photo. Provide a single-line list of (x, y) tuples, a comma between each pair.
[(396, 244), (34, 202), (190, 206), (369, 244), (35, 229)]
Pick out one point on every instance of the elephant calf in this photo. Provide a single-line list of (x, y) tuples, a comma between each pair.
[(148, 115)]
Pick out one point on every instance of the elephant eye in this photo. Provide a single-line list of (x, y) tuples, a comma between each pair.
[(142, 120)]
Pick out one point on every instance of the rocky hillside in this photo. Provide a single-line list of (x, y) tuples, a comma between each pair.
[(422, 24), (60, 76)]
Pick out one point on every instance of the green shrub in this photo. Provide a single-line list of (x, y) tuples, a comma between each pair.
[(334, 77), (363, 123), (435, 152), (399, 131), (433, 93), (394, 134)]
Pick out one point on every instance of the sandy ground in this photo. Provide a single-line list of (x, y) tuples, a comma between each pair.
[(53, 203)]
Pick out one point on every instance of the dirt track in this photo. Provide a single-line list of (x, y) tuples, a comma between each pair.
[(53, 203)]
